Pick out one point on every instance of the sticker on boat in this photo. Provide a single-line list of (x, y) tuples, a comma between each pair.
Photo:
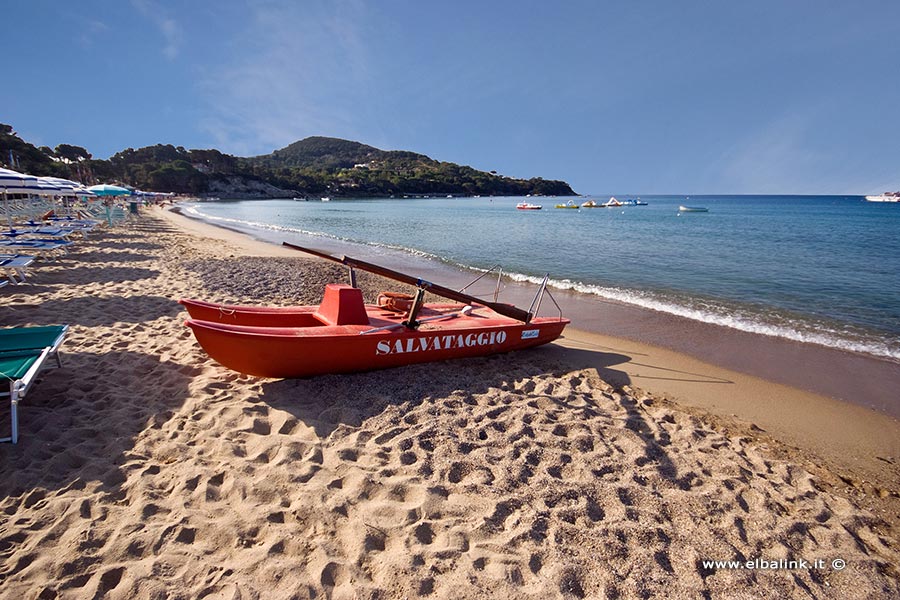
[(440, 342), (530, 334)]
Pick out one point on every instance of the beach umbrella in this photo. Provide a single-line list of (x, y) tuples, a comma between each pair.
[(13, 182), (105, 189), (66, 185), (47, 188)]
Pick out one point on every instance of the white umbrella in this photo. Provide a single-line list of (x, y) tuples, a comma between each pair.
[(13, 182), (66, 185), (47, 188)]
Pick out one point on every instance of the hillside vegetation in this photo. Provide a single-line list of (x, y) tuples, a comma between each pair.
[(315, 166)]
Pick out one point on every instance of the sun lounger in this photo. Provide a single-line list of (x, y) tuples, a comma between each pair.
[(20, 369), (24, 353), (34, 245), (15, 265), (72, 225), (28, 230), (13, 339)]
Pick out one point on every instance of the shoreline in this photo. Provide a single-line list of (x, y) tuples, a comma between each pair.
[(844, 375), (844, 431)]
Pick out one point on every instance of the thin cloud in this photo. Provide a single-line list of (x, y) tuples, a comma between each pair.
[(304, 71), (778, 159), (90, 31), (168, 27), (792, 154)]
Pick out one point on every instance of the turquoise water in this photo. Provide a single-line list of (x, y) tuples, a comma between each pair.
[(819, 269)]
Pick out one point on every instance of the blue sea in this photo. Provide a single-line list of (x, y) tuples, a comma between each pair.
[(817, 269)]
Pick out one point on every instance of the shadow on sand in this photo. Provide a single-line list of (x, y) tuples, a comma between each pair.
[(77, 425), (326, 402)]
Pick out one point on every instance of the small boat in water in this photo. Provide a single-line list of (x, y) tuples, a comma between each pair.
[(612, 203), (569, 204), (528, 206), (885, 197), (697, 209), (325, 199), (589, 204), (343, 335)]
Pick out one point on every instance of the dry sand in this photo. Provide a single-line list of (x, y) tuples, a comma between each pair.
[(145, 470)]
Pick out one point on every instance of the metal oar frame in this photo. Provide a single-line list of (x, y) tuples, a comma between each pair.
[(422, 286)]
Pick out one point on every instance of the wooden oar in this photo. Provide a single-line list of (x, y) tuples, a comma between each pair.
[(507, 310)]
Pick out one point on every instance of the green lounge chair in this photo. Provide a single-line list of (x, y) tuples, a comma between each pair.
[(20, 369), (24, 352), (14, 339)]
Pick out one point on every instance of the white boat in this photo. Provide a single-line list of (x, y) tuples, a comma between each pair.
[(885, 197), (325, 199), (528, 206), (692, 209)]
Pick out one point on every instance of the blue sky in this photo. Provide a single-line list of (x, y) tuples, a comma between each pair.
[(780, 96)]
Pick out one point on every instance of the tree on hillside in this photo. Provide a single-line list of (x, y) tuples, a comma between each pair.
[(72, 153)]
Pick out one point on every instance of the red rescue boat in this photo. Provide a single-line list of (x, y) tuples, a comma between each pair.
[(343, 335)]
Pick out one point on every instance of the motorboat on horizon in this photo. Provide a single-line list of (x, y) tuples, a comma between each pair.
[(885, 197)]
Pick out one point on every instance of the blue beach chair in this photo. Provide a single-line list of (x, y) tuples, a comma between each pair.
[(15, 265), (33, 246)]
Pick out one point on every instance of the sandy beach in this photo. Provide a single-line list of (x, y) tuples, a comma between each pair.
[(594, 467)]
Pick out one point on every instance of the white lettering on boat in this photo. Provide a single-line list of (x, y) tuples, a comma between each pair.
[(439, 342)]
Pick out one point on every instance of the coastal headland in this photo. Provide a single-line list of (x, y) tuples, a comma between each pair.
[(597, 466)]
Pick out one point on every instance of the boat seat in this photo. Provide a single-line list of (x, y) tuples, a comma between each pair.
[(342, 305)]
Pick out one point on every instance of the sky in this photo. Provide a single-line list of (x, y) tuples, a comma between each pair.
[(643, 97)]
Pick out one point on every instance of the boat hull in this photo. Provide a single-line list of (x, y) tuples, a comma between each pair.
[(288, 352), (254, 316)]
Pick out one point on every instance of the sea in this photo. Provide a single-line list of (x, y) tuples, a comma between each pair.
[(818, 269)]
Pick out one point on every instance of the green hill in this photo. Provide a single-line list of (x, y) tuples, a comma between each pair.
[(321, 153), (313, 166)]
